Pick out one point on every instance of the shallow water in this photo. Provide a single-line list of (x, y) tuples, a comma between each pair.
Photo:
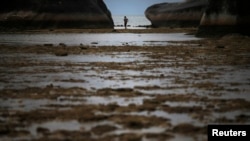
[(86, 71), (94, 39), (173, 87)]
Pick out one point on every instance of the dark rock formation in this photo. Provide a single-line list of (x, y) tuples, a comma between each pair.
[(183, 14), (225, 17), (42, 14)]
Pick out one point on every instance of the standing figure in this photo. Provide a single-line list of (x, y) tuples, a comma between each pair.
[(125, 22)]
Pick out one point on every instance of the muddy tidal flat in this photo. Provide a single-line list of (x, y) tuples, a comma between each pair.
[(124, 93)]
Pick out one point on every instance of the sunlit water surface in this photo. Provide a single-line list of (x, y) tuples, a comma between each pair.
[(94, 39)]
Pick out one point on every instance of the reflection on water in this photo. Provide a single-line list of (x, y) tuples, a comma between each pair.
[(94, 39), (100, 71), (177, 87)]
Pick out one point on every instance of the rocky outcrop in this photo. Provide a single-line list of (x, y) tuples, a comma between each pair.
[(225, 17), (183, 14), (40, 14)]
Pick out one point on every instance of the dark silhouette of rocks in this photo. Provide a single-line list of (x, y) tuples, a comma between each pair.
[(225, 17), (213, 17), (184, 14), (42, 14)]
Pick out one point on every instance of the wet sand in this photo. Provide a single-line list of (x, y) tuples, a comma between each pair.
[(124, 93), (146, 30)]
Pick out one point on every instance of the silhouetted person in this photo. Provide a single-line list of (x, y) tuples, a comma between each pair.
[(125, 21)]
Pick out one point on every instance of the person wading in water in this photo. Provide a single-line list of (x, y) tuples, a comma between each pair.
[(125, 22)]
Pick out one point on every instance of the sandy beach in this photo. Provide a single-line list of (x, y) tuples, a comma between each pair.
[(123, 93)]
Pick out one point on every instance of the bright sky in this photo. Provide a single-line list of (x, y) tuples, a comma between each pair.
[(132, 7)]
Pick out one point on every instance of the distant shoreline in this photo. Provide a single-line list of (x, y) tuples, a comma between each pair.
[(110, 30)]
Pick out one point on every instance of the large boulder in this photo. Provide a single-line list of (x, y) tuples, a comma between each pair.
[(40, 14), (184, 14), (225, 17)]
